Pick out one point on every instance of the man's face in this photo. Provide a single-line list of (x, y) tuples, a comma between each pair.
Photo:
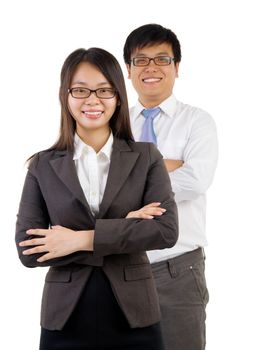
[(153, 83)]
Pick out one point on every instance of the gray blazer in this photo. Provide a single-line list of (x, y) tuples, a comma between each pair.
[(52, 195)]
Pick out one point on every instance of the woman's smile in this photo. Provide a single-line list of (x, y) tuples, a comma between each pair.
[(92, 114)]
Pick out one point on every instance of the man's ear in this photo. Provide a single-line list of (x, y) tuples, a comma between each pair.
[(177, 69), (128, 69)]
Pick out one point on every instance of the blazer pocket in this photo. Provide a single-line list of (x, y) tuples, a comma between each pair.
[(137, 272), (58, 275)]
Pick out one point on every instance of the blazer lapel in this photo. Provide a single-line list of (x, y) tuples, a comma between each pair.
[(123, 160), (64, 168)]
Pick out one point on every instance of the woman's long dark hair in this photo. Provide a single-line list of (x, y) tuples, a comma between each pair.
[(110, 68)]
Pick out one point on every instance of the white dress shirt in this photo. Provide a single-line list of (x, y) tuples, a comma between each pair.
[(92, 169), (184, 133)]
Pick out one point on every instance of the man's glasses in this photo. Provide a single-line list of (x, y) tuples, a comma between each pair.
[(80, 92), (158, 60)]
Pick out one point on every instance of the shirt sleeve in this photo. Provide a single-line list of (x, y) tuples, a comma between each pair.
[(200, 159)]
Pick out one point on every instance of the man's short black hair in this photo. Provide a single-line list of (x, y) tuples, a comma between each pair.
[(148, 35)]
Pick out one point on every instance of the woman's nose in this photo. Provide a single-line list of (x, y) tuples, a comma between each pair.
[(92, 98)]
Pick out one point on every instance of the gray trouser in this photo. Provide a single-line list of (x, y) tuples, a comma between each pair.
[(183, 297)]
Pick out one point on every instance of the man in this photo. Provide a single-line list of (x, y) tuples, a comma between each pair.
[(187, 139)]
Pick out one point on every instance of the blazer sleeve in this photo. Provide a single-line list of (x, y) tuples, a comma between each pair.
[(123, 236), (33, 213)]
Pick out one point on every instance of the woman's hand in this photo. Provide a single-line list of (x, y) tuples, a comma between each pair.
[(57, 241), (149, 211)]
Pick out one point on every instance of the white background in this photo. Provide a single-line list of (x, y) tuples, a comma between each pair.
[(217, 73)]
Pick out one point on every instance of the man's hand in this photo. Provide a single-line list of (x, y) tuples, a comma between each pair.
[(173, 164)]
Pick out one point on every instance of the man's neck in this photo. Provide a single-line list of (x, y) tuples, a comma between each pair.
[(151, 101)]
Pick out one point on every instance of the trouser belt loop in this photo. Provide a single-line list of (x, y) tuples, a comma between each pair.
[(172, 269)]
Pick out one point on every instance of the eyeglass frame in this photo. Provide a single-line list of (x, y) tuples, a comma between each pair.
[(90, 92), (152, 59)]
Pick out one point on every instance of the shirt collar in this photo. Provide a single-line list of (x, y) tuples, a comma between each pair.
[(80, 145), (107, 148), (168, 107)]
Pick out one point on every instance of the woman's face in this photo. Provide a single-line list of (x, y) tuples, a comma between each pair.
[(91, 113)]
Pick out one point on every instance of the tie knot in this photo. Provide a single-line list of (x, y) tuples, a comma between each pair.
[(151, 112)]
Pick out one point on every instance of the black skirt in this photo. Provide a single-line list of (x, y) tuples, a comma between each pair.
[(98, 323)]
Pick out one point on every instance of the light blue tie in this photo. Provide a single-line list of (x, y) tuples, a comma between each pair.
[(148, 134)]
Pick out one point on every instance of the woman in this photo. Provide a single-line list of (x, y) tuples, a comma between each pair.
[(80, 214)]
